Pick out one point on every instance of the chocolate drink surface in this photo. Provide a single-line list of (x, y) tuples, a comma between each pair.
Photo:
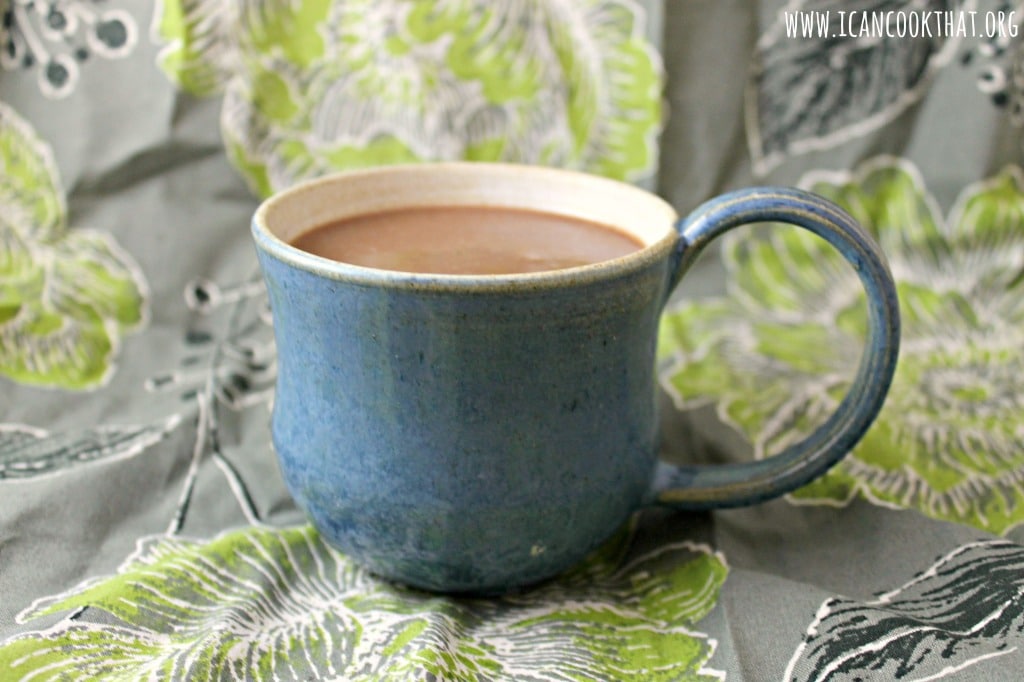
[(466, 240)]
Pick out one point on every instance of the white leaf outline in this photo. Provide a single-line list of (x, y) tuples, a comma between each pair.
[(44, 243), (886, 601), (138, 439), (444, 126), (894, 487), (499, 617), (763, 163)]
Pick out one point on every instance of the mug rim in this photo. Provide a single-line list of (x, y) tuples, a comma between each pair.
[(270, 243)]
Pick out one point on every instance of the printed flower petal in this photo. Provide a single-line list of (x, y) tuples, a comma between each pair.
[(784, 343), (281, 604), (66, 296), (320, 85), (987, 225), (964, 610), (92, 276), (200, 47), (205, 39), (40, 346), (101, 652), (29, 187), (21, 278), (816, 91)]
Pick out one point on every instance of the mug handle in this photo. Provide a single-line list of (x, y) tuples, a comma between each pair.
[(742, 483)]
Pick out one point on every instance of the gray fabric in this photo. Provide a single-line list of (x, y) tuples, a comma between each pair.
[(184, 412)]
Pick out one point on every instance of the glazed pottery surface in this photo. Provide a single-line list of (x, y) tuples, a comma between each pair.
[(479, 433)]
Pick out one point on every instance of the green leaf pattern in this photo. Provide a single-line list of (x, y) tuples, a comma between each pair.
[(777, 353), (66, 296), (312, 86), (280, 604)]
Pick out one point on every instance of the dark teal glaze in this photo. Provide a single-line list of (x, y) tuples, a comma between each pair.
[(478, 434)]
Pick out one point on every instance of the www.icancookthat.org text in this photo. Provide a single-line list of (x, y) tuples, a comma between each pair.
[(900, 24)]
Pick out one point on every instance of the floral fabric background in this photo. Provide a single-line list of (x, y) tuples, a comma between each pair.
[(144, 528)]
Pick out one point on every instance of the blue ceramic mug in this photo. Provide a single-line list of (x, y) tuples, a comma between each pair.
[(476, 433)]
